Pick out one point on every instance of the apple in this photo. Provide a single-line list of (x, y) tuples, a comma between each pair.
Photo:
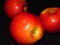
[(50, 17), (12, 7), (26, 28)]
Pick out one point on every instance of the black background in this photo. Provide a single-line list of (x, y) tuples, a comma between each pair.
[(35, 6)]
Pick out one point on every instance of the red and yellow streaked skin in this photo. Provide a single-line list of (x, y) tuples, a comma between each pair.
[(50, 18)]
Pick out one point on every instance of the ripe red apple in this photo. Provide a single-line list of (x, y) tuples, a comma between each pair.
[(50, 18), (12, 7), (26, 28)]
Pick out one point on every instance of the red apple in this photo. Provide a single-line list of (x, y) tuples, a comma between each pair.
[(26, 28), (50, 18), (12, 7)]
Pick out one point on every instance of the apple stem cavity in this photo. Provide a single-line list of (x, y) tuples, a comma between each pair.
[(25, 9), (52, 11), (25, 6), (35, 32)]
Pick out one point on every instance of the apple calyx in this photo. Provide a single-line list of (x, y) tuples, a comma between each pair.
[(36, 32)]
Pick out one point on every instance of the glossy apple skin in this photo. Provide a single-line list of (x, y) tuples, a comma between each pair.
[(23, 26), (50, 18), (13, 7)]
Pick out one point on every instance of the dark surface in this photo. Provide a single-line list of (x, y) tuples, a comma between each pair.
[(35, 6)]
